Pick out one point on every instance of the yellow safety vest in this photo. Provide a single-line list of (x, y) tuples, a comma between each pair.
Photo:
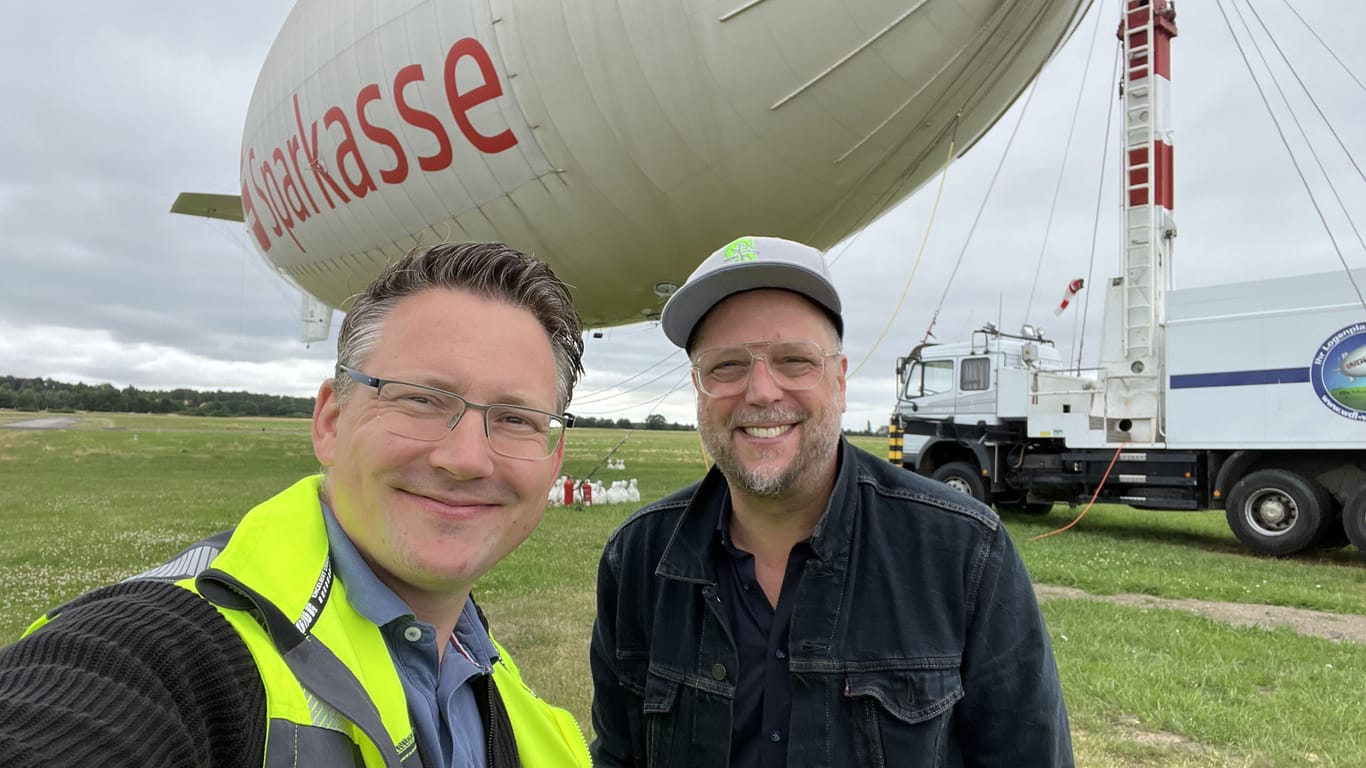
[(333, 696)]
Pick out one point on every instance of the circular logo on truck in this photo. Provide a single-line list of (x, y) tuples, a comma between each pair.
[(1339, 372)]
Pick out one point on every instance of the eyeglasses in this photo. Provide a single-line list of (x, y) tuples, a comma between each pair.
[(793, 365), (429, 414)]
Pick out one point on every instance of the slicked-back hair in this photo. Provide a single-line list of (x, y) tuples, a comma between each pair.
[(489, 270)]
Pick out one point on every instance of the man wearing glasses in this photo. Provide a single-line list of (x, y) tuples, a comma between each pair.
[(806, 603), (334, 625)]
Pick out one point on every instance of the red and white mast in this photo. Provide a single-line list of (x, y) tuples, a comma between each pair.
[(1133, 353)]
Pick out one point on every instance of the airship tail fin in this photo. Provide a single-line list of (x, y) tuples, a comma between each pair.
[(226, 207)]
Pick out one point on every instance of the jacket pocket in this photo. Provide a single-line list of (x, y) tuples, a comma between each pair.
[(902, 715), (660, 705)]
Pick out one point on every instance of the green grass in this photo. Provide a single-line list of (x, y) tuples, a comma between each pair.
[(1181, 554), (1352, 397), (1145, 686), (1244, 695)]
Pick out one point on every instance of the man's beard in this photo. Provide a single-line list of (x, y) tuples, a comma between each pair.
[(818, 441)]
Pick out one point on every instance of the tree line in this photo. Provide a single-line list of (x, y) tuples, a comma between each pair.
[(42, 394), (51, 395), (653, 421)]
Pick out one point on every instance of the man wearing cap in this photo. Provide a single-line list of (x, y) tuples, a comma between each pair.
[(806, 603)]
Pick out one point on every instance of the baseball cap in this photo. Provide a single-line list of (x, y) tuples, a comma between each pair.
[(747, 264)]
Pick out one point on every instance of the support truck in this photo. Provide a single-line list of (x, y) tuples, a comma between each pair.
[(1248, 397)]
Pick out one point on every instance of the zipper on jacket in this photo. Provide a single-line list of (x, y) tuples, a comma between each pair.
[(488, 737)]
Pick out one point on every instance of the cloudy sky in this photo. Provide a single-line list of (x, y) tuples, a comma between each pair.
[(111, 109)]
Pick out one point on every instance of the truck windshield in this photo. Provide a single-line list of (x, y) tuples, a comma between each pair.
[(929, 378)]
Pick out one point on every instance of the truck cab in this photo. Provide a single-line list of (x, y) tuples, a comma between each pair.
[(957, 401), (962, 382)]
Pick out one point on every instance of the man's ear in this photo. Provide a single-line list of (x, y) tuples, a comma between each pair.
[(326, 414), (842, 377)]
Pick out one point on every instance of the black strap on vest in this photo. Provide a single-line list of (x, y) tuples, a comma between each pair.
[(313, 664)]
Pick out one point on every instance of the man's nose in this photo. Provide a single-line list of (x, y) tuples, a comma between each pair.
[(465, 452), (762, 387)]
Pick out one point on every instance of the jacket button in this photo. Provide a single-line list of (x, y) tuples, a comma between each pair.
[(718, 671)]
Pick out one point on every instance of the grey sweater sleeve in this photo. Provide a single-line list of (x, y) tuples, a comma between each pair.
[(136, 674)]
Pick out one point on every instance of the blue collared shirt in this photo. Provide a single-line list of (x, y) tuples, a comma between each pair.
[(441, 703)]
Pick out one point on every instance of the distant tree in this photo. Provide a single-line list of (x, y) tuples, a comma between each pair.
[(104, 398), (26, 400), (656, 421)]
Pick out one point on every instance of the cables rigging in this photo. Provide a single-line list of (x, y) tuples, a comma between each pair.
[(1280, 131)]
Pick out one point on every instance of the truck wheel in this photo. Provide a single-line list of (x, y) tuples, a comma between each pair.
[(1354, 520), (1277, 512), (962, 477)]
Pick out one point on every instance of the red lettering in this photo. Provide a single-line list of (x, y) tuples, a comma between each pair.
[(273, 199), (364, 185), (462, 103), (280, 184), (261, 194), (420, 119), (291, 190), (324, 178), (252, 220), (380, 135), (293, 145)]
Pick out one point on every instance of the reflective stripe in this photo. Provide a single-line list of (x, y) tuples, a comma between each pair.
[(290, 745), (190, 562), (317, 669), (324, 715)]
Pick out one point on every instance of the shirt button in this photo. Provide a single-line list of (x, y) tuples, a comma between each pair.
[(775, 737), (718, 671), (779, 653), (412, 634)]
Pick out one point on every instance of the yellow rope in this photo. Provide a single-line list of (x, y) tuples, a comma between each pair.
[(924, 242)]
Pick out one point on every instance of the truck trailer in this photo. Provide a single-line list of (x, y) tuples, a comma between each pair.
[(1248, 397)]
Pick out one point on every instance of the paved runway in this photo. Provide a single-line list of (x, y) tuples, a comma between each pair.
[(51, 422)]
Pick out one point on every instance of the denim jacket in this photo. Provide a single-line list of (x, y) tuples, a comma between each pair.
[(916, 638)]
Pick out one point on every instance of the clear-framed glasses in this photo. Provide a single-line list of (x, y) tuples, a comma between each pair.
[(429, 414), (794, 366)]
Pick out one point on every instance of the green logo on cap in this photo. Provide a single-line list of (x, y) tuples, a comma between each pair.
[(741, 250)]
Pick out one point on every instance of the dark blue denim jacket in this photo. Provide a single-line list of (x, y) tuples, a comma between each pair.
[(916, 639)]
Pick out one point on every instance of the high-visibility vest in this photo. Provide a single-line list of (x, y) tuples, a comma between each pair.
[(333, 696)]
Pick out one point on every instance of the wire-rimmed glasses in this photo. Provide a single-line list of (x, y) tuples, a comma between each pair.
[(426, 413)]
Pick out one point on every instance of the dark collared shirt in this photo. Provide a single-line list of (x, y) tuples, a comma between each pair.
[(763, 691), (441, 702)]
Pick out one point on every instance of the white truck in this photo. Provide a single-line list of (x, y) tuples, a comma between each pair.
[(1250, 397)]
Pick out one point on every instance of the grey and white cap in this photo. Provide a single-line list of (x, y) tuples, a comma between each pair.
[(747, 264)]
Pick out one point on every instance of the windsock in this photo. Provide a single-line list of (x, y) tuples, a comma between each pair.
[(1073, 288)]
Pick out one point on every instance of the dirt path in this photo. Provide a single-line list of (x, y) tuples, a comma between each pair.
[(1348, 628)]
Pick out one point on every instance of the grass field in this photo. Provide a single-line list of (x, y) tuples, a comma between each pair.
[(1146, 686), (1352, 397)]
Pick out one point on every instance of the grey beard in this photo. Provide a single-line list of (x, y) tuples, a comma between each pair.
[(817, 443)]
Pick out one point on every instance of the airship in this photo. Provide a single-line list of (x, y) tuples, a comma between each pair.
[(1353, 363), (619, 141)]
